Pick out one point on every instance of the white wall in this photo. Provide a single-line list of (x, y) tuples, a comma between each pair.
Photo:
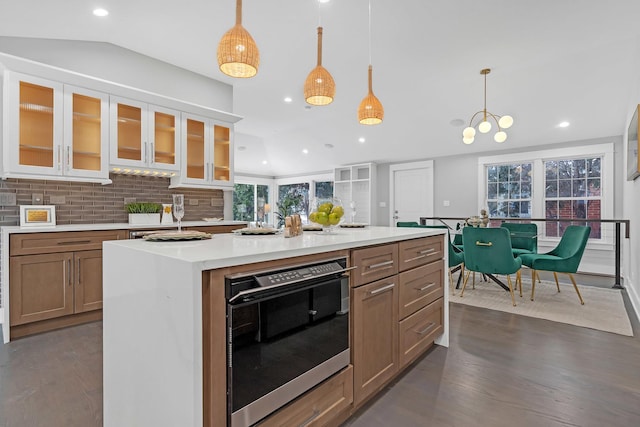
[(124, 66), (631, 205)]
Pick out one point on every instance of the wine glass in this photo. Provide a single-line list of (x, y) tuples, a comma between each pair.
[(352, 205), (178, 209)]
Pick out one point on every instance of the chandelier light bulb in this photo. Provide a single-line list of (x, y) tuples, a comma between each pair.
[(484, 126), (505, 122), (500, 136), (468, 140), (469, 132)]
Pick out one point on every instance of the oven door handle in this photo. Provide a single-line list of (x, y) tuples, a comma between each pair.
[(280, 285)]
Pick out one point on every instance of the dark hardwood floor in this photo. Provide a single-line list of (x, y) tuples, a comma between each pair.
[(500, 370)]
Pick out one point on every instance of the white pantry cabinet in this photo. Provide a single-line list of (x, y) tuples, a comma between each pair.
[(53, 130), (355, 186)]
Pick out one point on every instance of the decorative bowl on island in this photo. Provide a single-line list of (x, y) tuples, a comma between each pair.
[(327, 212)]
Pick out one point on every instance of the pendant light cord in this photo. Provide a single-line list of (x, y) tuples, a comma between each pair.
[(370, 32), (239, 12)]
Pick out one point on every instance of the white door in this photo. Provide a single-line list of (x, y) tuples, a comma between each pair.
[(411, 187)]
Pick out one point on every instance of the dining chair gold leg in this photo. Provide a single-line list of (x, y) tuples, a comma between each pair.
[(533, 283), (538, 274), (519, 281), (513, 299), (464, 283), (576, 287), (555, 276)]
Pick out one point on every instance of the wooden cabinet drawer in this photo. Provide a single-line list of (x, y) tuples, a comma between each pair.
[(418, 331), (420, 287), (317, 407), (374, 263), (41, 243), (416, 252)]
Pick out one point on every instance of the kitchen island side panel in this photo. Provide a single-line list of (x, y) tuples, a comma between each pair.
[(152, 340)]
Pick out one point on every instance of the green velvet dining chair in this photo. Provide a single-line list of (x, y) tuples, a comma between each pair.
[(456, 257), (524, 237), (564, 258), (488, 250)]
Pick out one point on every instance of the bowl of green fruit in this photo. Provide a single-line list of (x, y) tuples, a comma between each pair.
[(328, 213)]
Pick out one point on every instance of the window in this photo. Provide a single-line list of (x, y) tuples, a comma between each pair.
[(251, 202), (574, 182), (509, 190), (293, 199), (572, 190), (324, 189)]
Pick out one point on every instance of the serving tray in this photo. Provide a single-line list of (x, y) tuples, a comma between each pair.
[(353, 225), (257, 231), (165, 236)]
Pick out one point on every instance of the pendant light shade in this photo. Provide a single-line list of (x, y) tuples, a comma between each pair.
[(238, 54), (319, 88), (370, 111)]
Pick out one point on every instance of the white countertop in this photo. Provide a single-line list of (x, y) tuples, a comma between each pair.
[(224, 250), (114, 226)]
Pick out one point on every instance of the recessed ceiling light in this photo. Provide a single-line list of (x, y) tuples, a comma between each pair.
[(324, 1), (361, 140), (288, 99), (305, 151), (563, 124), (100, 12), (264, 162)]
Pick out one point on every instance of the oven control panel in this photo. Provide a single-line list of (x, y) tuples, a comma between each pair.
[(284, 277)]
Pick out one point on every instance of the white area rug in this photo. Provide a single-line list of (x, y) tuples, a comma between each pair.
[(603, 308)]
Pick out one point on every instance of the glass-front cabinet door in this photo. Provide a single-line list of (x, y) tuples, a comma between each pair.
[(34, 128), (55, 129), (144, 135), (128, 132), (86, 133), (207, 153)]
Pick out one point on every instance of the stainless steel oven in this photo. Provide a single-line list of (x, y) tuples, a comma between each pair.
[(287, 331)]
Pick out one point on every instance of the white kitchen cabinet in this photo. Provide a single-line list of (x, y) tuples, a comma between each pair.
[(144, 136), (207, 153), (53, 130), (356, 184)]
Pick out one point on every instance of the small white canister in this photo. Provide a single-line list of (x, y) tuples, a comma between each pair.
[(167, 213)]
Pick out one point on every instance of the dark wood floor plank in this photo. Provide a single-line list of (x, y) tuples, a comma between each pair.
[(501, 369)]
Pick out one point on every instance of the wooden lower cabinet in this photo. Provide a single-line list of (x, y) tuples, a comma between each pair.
[(317, 407), (375, 336), (53, 285), (40, 287)]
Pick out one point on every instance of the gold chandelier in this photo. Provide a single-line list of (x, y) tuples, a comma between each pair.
[(484, 126), (238, 54), (370, 111), (319, 88)]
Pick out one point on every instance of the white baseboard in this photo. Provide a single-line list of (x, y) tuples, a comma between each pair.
[(633, 296)]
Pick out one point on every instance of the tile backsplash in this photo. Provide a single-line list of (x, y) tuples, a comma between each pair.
[(88, 203)]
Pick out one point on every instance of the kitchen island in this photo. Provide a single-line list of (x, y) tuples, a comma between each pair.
[(164, 316)]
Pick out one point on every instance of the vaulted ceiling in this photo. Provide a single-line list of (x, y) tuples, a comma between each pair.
[(551, 61)]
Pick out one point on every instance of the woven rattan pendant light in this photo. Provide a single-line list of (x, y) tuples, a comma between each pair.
[(319, 88), (370, 111), (238, 54)]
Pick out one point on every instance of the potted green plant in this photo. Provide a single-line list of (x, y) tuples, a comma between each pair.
[(143, 212)]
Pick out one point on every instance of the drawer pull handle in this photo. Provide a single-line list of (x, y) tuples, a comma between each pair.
[(68, 271), (310, 419), (479, 243), (424, 288), (427, 251), (415, 258), (381, 264), (384, 288), (427, 329), (74, 242)]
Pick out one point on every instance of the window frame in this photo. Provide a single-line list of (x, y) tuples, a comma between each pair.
[(537, 158)]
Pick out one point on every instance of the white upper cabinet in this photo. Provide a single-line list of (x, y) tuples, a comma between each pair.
[(207, 153), (144, 136), (355, 186), (54, 131)]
